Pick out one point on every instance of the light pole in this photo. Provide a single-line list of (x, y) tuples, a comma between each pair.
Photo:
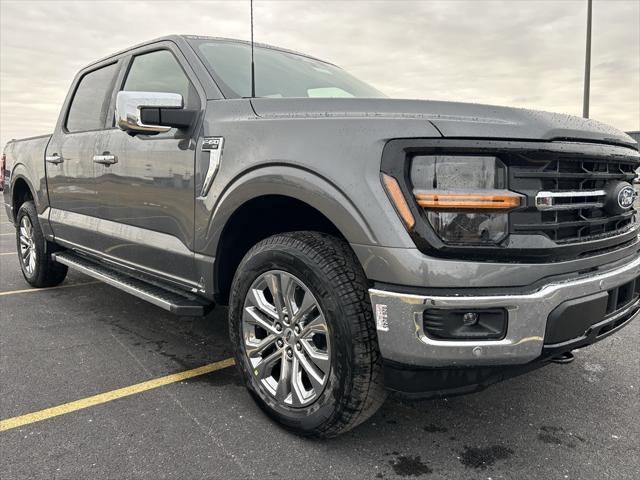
[(587, 65)]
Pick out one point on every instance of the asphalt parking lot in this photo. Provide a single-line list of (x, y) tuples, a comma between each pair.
[(577, 421)]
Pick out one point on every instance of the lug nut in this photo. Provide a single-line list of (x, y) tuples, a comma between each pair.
[(278, 327), (286, 319), (289, 353), (279, 342), (298, 346), (297, 329)]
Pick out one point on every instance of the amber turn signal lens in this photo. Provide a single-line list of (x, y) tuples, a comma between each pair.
[(467, 201), (397, 198)]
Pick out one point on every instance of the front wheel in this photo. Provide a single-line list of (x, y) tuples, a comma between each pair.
[(305, 342), (34, 252)]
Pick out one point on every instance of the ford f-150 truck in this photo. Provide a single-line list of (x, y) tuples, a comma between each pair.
[(363, 244)]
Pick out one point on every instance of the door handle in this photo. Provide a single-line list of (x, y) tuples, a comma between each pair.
[(55, 158), (105, 159)]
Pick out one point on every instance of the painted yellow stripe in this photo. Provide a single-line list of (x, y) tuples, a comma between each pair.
[(7, 253), (101, 398), (30, 290), (12, 233)]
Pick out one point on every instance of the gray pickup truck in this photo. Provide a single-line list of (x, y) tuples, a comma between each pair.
[(362, 244)]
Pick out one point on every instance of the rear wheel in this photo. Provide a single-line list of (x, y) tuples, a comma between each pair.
[(305, 342), (34, 252)]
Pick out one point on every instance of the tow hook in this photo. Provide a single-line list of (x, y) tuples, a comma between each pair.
[(564, 358)]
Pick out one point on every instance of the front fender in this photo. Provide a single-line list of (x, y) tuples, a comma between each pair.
[(284, 180)]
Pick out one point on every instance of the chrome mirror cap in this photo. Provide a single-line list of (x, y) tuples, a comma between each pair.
[(128, 105)]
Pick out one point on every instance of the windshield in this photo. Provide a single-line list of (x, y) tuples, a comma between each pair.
[(279, 74)]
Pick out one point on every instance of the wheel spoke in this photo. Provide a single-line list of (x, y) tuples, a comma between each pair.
[(256, 297), (284, 382), (306, 306), (253, 316), (318, 357), (316, 377), (256, 349), (263, 369), (275, 287), (317, 325), (288, 286), (298, 396), (32, 261)]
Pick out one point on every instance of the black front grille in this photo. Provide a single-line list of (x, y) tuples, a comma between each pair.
[(622, 296), (594, 315), (570, 174)]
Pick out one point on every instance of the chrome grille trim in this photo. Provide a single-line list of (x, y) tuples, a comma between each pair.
[(545, 200)]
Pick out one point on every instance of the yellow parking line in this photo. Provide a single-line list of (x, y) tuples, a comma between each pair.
[(7, 253), (47, 413), (4, 234), (29, 290)]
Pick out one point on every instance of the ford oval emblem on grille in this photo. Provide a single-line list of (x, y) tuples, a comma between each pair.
[(626, 197), (619, 197)]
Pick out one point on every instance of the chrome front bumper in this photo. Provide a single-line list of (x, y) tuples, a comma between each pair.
[(399, 320)]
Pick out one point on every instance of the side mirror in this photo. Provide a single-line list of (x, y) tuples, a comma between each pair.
[(151, 112)]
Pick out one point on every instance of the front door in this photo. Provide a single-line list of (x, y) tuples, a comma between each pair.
[(145, 185), (69, 157)]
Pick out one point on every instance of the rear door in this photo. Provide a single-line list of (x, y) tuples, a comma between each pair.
[(148, 190), (69, 155)]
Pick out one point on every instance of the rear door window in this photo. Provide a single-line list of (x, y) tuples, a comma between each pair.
[(90, 102)]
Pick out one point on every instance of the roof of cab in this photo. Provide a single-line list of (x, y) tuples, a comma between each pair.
[(180, 38)]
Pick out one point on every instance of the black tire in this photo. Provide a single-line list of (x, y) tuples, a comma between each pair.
[(45, 272), (354, 388)]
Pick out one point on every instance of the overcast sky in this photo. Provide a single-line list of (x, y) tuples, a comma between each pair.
[(516, 53)]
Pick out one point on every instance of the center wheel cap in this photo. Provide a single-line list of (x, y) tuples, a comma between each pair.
[(289, 337)]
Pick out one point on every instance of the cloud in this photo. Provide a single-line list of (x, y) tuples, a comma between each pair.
[(524, 53)]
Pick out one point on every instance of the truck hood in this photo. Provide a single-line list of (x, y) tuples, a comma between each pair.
[(452, 119)]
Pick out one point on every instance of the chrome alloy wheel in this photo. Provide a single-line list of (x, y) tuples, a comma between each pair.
[(27, 245), (286, 339)]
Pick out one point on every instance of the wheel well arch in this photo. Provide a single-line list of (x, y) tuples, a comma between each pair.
[(20, 192), (255, 220)]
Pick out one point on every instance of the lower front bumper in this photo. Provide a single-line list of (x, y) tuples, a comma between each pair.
[(402, 339)]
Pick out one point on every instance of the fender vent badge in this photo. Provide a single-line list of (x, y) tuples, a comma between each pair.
[(213, 145)]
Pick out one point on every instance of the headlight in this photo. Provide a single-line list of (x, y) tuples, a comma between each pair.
[(465, 198)]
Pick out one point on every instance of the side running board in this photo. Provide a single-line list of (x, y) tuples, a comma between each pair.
[(164, 297)]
